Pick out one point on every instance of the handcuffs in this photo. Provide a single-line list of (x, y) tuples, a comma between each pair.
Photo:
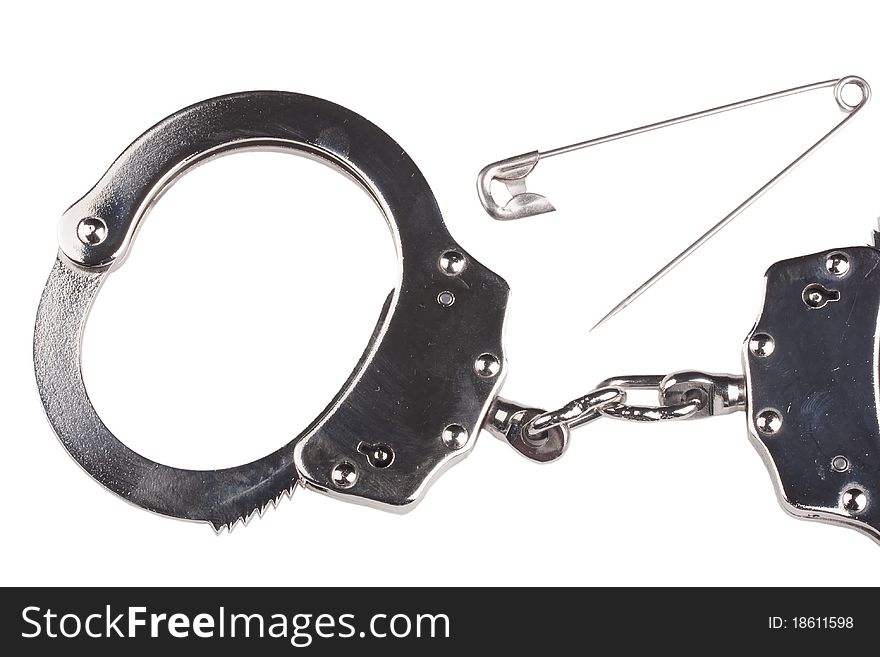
[(429, 379)]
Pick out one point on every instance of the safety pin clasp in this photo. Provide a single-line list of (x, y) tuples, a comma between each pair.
[(512, 172)]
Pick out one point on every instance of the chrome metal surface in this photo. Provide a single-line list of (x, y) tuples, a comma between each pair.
[(452, 263), (487, 365), (813, 401), (512, 172), (455, 436), (854, 500), (576, 412), (837, 264), (508, 421), (221, 497), (681, 395), (344, 475), (816, 295), (768, 421), (446, 298), (683, 411), (762, 345), (379, 455), (416, 377), (721, 393), (91, 231), (840, 464), (688, 407)]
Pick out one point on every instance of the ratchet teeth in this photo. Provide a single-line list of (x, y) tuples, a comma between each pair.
[(257, 511)]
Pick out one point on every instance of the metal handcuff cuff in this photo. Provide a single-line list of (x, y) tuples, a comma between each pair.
[(429, 379)]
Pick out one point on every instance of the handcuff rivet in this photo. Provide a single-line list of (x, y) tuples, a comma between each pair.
[(91, 231), (455, 436), (768, 422), (344, 475), (854, 500), (837, 263), (452, 263), (762, 345), (487, 365)]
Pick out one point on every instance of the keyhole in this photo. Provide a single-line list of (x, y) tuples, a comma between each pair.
[(379, 455), (817, 296)]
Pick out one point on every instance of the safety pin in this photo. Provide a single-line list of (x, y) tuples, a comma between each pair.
[(514, 170)]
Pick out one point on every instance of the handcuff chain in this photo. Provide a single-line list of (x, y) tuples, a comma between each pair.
[(682, 396)]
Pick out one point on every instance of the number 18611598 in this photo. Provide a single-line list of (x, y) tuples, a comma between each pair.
[(810, 623)]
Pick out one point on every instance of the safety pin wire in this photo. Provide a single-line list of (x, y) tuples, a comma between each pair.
[(513, 171)]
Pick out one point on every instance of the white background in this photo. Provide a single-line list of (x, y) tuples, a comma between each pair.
[(223, 355)]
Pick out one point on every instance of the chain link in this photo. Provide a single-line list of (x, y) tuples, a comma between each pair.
[(681, 395), (543, 436), (577, 412)]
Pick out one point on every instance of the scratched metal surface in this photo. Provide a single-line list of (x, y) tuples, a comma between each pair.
[(822, 378)]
